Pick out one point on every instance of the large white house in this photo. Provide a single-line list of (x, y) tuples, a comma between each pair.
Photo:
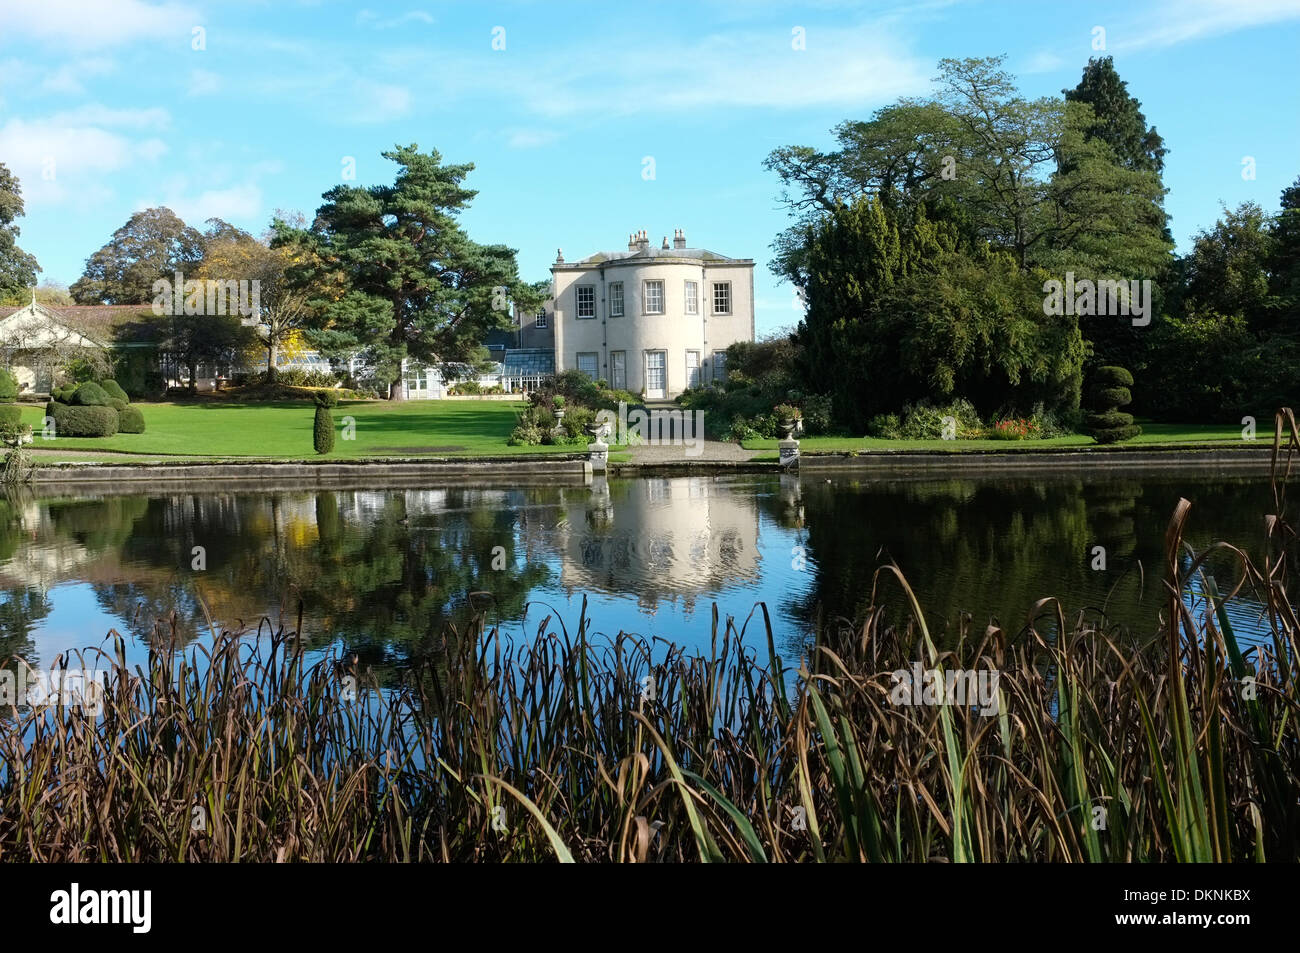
[(651, 320)]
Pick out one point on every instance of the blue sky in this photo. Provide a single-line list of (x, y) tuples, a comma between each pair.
[(106, 107)]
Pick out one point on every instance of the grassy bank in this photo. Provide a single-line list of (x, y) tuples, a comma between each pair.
[(283, 430), (575, 747), (1152, 436)]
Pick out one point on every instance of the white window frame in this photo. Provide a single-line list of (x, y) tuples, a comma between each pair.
[(692, 297), (539, 319), (645, 295), (614, 381), (595, 357), (658, 353), (616, 299), (699, 370), (725, 288), (578, 294)]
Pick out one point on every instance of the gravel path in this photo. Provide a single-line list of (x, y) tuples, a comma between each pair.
[(712, 450)]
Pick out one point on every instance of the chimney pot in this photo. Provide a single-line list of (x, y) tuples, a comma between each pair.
[(679, 239)]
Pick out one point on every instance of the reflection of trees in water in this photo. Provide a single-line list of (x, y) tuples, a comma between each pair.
[(383, 580), (993, 549)]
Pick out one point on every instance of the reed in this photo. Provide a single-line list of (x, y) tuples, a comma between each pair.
[(568, 747)]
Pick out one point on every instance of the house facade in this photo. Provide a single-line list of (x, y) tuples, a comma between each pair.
[(651, 320)]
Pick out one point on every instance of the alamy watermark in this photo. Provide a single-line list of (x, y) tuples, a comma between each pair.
[(74, 688), (209, 296), (656, 428), (1101, 297), (969, 688)]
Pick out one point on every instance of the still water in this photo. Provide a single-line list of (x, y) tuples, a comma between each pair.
[(383, 572)]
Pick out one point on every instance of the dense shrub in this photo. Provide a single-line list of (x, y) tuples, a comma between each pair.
[(90, 394), (116, 404), (130, 420), (8, 385), (10, 416), (84, 421), (533, 426), (760, 376), (64, 394), (924, 421), (113, 389), (1110, 392), (578, 389)]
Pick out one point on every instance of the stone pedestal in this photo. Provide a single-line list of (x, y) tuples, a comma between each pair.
[(789, 448), (598, 454)]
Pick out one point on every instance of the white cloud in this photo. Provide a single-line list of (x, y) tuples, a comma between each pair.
[(70, 77), (95, 24), (1186, 20), (381, 102), (372, 19), (94, 114), (235, 203), (61, 161), (203, 82), (847, 67), (531, 138), (1043, 61)]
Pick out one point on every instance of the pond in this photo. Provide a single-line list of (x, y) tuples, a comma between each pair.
[(384, 572)]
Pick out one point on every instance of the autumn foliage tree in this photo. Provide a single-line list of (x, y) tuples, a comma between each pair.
[(281, 307)]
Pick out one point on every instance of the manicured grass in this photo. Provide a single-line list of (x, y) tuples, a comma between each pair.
[(1153, 435), (283, 430)]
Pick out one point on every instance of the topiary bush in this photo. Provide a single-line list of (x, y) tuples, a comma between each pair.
[(130, 420), (116, 404), (90, 394), (323, 429), (8, 385), (1110, 391), (10, 416), (64, 394), (113, 389), (84, 421)]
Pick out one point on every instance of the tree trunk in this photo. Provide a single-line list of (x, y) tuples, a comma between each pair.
[(194, 377), (271, 355), (395, 390)]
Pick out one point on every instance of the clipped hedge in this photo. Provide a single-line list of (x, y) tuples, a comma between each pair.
[(10, 416), (90, 394), (130, 420), (113, 389), (8, 385), (84, 421)]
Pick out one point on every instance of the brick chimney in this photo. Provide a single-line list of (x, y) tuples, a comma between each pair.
[(631, 242), (679, 239), (665, 245)]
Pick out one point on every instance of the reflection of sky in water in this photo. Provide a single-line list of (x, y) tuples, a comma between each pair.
[(385, 572)]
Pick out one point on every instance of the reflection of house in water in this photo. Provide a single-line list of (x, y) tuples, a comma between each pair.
[(659, 538)]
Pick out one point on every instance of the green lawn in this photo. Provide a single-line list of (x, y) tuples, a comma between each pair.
[(283, 430), (1153, 435)]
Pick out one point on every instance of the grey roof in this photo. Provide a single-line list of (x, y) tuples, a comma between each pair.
[(698, 254), (529, 362)]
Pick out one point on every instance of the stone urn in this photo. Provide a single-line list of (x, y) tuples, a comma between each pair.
[(597, 450)]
